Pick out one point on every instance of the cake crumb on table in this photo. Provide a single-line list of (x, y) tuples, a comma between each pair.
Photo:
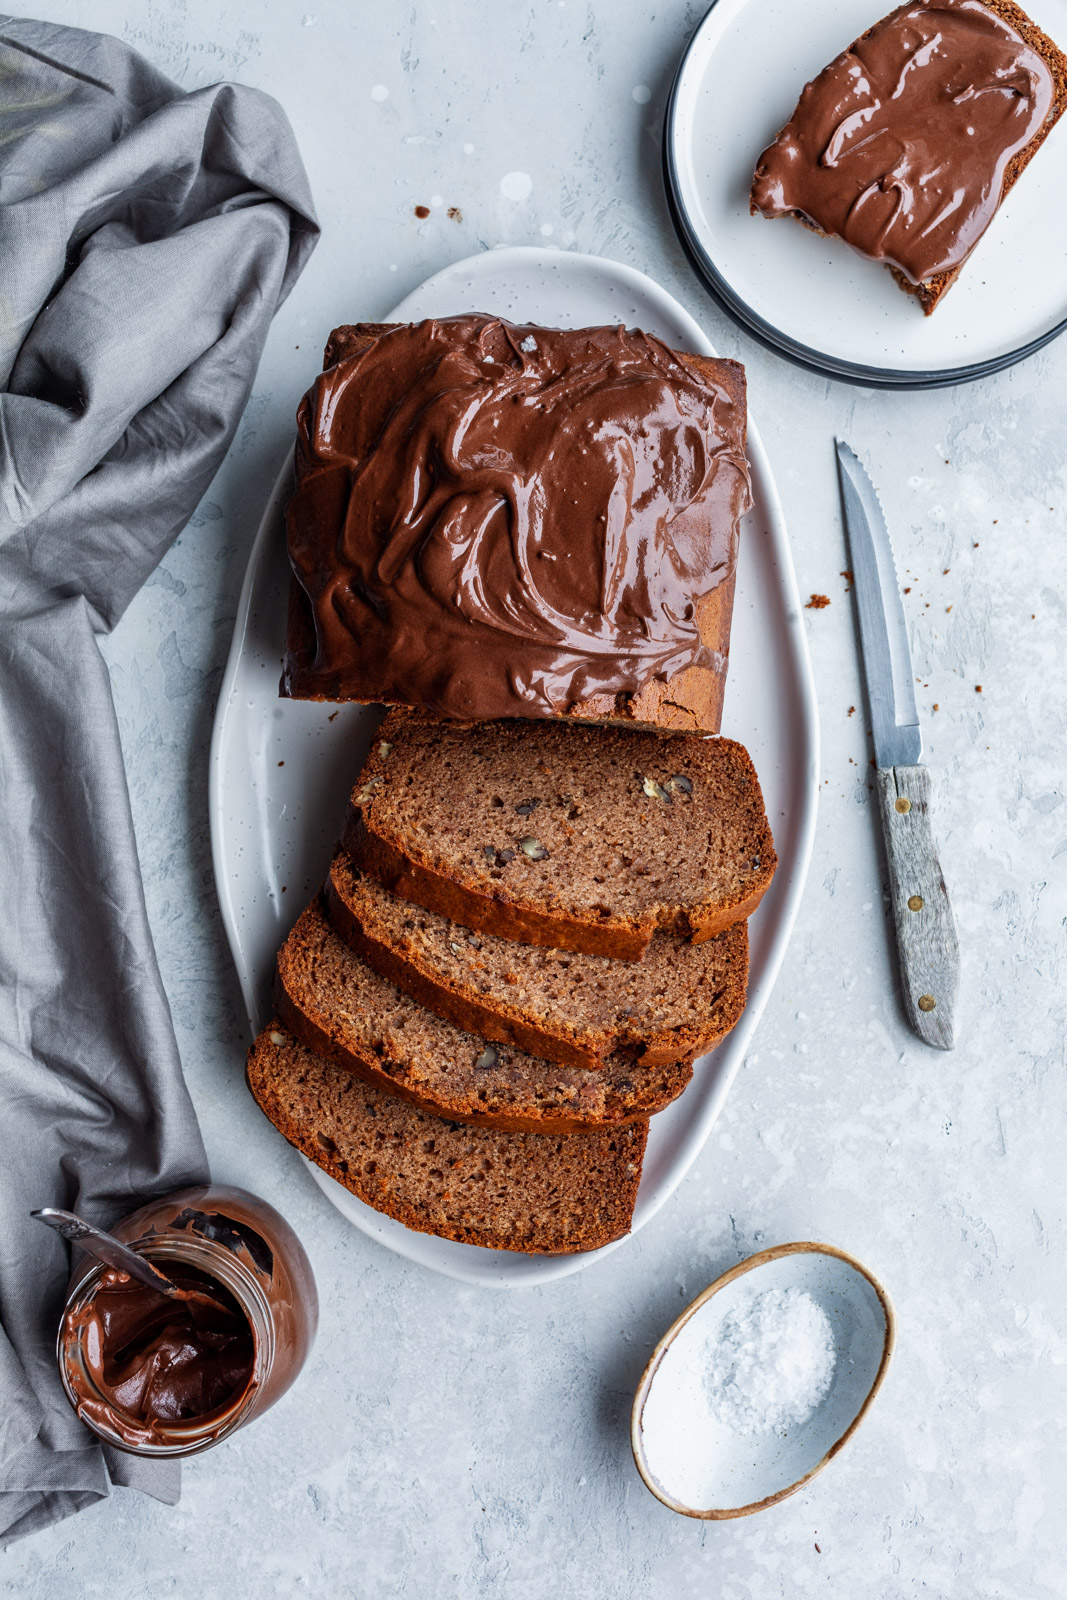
[(818, 602)]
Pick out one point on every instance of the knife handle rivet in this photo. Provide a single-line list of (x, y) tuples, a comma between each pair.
[(916, 902), (903, 804), (927, 1002)]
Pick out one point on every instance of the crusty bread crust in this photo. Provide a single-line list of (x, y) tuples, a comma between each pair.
[(930, 292), (397, 856), (309, 1031), (518, 1095), (327, 1116), (485, 913), (626, 939), (467, 1009), (691, 701)]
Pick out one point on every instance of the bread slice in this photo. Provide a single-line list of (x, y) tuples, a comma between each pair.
[(677, 1003), (585, 839), (503, 1191), (931, 290), (688, 701), (338, 1007)]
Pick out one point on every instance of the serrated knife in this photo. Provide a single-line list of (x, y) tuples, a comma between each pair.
[(927, 944)]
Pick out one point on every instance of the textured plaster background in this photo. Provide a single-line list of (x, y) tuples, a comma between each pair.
[(451, 1442)]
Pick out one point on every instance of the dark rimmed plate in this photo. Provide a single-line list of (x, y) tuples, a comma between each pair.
[(813, 300)]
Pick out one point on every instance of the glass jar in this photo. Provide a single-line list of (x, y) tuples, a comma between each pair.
[(232, 1239)]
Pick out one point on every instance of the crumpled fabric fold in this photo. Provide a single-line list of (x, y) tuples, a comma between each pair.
[(147, 237)]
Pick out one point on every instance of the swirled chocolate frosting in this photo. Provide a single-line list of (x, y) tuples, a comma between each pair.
[(494, 520), (902, 146), (151, 1361)]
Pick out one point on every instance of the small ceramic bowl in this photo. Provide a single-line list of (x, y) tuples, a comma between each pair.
[(733, 1474)]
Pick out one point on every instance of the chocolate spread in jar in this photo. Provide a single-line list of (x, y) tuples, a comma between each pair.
[(164, 1377), (901, 146), (495, 520), (153, 1360)]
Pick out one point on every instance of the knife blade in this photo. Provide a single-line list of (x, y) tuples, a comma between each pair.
[(926, 937)]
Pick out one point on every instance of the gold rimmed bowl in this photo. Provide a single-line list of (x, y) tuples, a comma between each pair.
[(699, 1466)]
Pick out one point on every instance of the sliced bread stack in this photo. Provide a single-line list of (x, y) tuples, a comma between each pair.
[(530, 933)]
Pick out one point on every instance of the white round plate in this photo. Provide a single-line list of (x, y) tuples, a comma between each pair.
[(281, 770), (815, 300)]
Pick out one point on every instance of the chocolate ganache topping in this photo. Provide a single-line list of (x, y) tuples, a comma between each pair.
[(901, 146), (496, 520), (154, 1360)]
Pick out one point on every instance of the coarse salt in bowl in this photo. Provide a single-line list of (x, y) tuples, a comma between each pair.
[(761, 1381)]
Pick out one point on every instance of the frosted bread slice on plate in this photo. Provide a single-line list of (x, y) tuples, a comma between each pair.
[(906, 145)]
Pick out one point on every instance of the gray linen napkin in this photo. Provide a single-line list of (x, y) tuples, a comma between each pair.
[(146, 238)]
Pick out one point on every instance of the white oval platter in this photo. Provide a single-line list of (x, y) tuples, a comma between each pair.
[(281, 770)]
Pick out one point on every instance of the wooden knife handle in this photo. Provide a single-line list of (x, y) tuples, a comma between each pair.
[(927, 945)]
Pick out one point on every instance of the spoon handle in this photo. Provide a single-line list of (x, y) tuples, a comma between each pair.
[(107, 1248)]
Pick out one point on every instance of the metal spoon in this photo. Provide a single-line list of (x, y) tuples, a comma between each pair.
[(107, 1248)]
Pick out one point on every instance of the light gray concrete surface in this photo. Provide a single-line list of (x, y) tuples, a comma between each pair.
[(452, 1442)]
